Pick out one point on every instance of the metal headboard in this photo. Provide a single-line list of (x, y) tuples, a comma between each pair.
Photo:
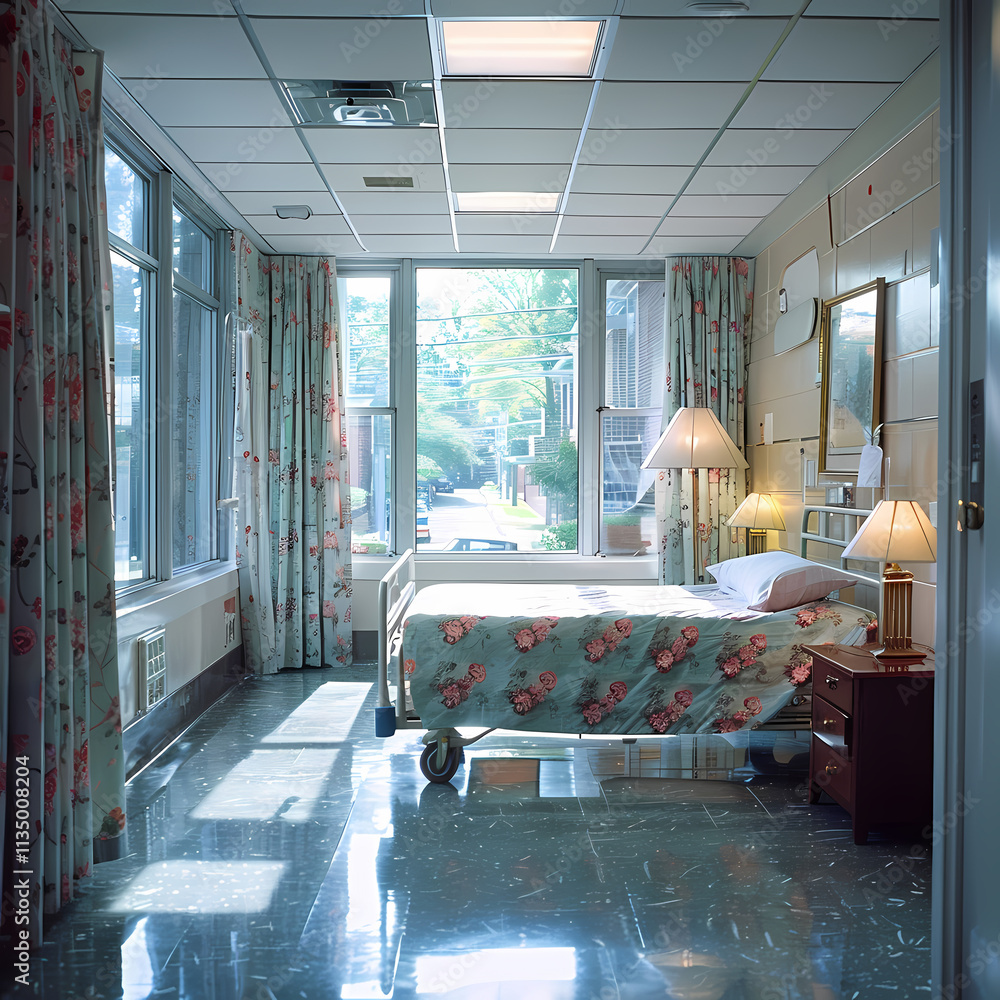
[(826, 517)]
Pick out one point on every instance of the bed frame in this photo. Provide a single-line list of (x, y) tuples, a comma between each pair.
[(834, 526)]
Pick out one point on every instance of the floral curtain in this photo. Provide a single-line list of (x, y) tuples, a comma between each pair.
[(60, 727), (707, 325), (293, 544)]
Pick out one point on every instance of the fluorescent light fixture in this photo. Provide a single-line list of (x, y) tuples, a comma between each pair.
[(514, 202), (547, 47)]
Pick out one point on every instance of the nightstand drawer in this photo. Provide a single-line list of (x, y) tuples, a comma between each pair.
[(832, 726), (833, 685), (831, 773)]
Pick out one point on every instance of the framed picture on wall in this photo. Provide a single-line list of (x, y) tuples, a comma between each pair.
[(851, 367)]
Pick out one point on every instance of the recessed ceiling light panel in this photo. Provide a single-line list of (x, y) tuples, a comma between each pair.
[(549, 47), (511, 202)]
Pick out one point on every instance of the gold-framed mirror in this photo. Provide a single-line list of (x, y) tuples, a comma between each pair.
[(851, 368)]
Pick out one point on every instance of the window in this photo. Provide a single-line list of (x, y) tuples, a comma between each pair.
[(193, 393), (632, 406), (496, 409), (134, 272), (366, 302), (167, 369)]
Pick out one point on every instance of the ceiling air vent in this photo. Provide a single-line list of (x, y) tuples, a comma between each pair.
[(388, 182), (363, 103)]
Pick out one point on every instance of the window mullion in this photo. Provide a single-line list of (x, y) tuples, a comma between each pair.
[(589, 376), (161, 444)]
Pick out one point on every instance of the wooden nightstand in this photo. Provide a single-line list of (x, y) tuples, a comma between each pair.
[(872, 741)]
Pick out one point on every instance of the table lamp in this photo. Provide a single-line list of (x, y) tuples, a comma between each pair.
[(895, 531), (757, 514), (695, 439)]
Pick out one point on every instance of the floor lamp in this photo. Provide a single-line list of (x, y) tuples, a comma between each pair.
[(695, 439), (757, 514)]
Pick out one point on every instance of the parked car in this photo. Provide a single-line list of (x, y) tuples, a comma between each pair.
[(480, 545), (423, 522), (442, 484)]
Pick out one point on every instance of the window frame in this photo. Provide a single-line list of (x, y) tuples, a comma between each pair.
[(163, 193)]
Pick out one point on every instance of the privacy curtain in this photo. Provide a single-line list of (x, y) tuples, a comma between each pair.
[(293, 544), (707, 352), (60, 728)]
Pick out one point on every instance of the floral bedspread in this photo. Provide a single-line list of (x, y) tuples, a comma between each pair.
[(582, 662)]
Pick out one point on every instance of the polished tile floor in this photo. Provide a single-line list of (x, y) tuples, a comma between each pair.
[(280, 851)]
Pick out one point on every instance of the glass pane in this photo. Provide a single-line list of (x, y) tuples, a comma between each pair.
[(192, 356), (496, 409), (192, 251), (627, 501), (633, 364), (365, 303), (131, 421), (127, 197), (369, 440)]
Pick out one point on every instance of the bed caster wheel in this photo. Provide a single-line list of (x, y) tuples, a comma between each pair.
[(429, 767)]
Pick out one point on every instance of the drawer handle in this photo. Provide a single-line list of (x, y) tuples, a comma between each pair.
[(831, 769), (831, 682)]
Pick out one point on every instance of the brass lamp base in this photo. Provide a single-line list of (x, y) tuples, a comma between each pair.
[(897, 615), (756, 541)]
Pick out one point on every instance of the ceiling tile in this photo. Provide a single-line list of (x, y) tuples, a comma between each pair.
[(679, 8), (870, 8), (515, 103), (337, 8), (326, 245), (608, 225), (646, 147), (765, 147), (401, 202), (706, 226), (518, 8), (672, 246), (528, 224), (345, 48), (161, 47), (356, 144), (591, 179), (617, 204), (511, 145), (665, 105), (350, 176), (410, 246), (594, 246), (263, 202), (728, 181), (548, 177), (209, 102), (853, 49), (786, 106), (736, 205), (504, 244), (317, 225), (262, 176), (206, 8), (240, 145), (402, 225), (692, 49)]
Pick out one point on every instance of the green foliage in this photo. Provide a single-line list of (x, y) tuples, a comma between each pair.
[(559, 476), (559, 537)]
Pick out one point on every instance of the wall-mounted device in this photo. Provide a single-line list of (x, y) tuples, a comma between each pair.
[(796, 326)]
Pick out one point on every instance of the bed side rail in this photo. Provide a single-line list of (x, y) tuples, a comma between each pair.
[(826, 517), (395, 592)]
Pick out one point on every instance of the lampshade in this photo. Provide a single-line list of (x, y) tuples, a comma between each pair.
[(694, 439), (895, 531), (757, 511)]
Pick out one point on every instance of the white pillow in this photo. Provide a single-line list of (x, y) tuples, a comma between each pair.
[(776, 581)]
